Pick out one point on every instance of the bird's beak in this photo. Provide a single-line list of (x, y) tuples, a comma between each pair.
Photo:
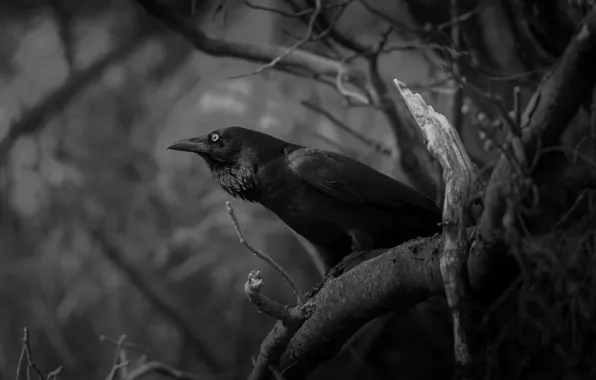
[(196, 145)]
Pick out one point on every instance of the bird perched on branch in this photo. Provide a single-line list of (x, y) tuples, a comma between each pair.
[(337, 203)]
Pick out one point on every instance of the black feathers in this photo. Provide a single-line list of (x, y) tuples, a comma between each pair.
[(337, 203)]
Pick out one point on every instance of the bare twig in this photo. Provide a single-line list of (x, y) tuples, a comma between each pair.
[(53, 375), (300, 13), (127, 344), (296, 62), (26, 353), (377, 146), (262, 255), (444, 144), (308, 37), (157, 297), (114, 370), (117, 364), (401, 128)]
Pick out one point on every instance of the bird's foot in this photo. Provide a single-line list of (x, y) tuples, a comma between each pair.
[(348, 262)]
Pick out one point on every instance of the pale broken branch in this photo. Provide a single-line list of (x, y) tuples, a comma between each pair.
[(291, 318), (262, 255), (443, 143)]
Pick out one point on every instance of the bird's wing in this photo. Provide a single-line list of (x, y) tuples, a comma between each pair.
[(352, 181)]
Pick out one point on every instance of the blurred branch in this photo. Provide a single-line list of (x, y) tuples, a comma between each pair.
[(458, 98), (300, 13), (262, 255), (405, 136), (443, 143), (148, 368), (126, 344), (157, 298), (32, 120), (377, 146), (307, 38), (118, 364), (545, 119), (64, 21), (334, 34), (297, 62), (26, 353)]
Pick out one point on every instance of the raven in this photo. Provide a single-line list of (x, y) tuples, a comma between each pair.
[(337, 203)]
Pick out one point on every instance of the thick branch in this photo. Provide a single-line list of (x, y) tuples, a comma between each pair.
[(394, 280)]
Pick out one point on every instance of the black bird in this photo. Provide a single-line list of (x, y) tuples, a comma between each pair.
[(337, 203)]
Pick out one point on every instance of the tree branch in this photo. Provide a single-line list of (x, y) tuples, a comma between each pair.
[(33, 119), (544, 121), (157, 298), (294, 62), (262, 255), (403, 276)]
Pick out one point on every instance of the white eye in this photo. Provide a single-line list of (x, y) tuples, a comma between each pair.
[(215, 137)]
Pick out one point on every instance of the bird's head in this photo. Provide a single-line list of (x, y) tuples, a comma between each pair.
[(233, 155)]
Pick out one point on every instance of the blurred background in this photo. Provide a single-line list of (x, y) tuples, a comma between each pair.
[(104, 232)]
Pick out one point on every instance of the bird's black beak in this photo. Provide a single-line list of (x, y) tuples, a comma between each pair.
[(195, 145)]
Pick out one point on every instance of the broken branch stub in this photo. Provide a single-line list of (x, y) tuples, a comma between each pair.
[(443, 143)]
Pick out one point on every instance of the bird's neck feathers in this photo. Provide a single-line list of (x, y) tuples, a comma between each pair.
[(238, 179)]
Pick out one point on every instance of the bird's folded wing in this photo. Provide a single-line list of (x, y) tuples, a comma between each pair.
[(351, 181)]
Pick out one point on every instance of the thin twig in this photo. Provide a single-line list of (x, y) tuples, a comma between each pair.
[(377, 146), (127, 345), (26, 352), (262, 255), (53, 375), (162, 369), (117, 365), (308, 37), (300, 13)]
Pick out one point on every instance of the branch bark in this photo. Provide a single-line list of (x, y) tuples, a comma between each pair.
[(395, 280), (443, 142), (401, 278)]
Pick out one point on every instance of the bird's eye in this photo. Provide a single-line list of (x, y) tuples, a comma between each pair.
[(215, 137)]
